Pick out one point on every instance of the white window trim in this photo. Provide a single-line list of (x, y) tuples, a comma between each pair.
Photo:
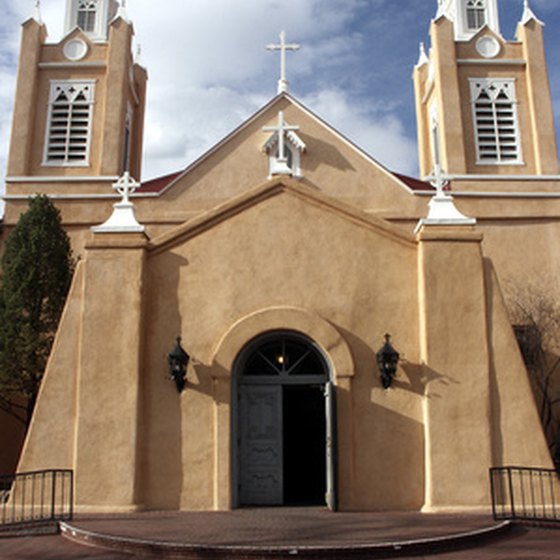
[(53, 86), (462, 31), (476, 8), (475, 87), (435, 143), (100, 33)]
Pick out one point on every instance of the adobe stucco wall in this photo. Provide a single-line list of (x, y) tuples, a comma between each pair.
[(279, 258), (284, 251)]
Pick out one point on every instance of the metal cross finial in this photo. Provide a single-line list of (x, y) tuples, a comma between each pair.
[(283, 83), (439, 182), (38, 10), (125, 186), (281, 128)]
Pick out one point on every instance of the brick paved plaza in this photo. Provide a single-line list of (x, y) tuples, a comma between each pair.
[(288, 533)]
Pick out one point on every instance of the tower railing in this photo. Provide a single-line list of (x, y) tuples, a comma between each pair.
[(525, 494), (37, 496)]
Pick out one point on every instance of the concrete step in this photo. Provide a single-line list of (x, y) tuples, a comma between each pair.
[(153, 547)]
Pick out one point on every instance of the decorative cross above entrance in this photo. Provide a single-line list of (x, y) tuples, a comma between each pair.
[(283, 84), (281, 129)]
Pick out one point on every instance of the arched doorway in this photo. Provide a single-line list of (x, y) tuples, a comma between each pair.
[(284, 423)]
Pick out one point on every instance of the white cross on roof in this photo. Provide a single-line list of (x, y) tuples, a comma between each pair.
[(283, 83)]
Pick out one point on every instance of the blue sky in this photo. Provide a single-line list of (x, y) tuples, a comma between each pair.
[(209, 68)]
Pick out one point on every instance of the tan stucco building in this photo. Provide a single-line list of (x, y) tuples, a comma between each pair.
[(282, 257)]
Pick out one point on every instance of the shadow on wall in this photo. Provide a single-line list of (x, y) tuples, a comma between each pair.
[(160, 415), (388, 434), (328, 153)]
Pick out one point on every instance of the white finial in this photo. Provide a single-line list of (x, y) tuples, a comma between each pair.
[(423, 58), (122, 10), (138, 56), (123, 219), (443, 211), (441, 10), (283, 84), (37, 15), (125, 186), (439, 182), (528, 14)]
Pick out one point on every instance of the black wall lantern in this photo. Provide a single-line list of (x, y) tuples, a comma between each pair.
[(387, 360), (178, 360)]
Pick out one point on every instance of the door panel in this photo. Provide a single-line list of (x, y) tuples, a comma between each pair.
[(331, 446), (260, 446)]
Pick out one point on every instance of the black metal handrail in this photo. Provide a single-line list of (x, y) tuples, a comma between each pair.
[(525, 494), (37, 496)]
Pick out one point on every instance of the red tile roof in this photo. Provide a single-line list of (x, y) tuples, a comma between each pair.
[(158, 184), (414, 184)]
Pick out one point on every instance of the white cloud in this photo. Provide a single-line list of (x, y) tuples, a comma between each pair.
[(216, 72), (201, 117), (379, 134)]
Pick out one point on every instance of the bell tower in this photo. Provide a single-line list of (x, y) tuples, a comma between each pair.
[(483, 103), (79, 112)]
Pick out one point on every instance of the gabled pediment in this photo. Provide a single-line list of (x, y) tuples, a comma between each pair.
[(329, 162), (75, 34), (486, 31), (277, 187)]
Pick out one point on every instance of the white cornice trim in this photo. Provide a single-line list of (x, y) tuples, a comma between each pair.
[(61, 179), (495, 194), (492, 61), (483, 177), (81, 196), (62, 65)]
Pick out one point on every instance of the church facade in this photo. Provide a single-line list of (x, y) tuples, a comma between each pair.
[(279, 261)]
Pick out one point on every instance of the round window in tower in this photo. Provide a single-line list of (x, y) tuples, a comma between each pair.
[(75, 49), (488, 47)]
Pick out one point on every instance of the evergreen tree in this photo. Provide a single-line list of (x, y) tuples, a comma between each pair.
[(37, 268)]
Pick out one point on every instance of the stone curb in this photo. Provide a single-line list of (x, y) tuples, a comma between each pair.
[(164, 549)]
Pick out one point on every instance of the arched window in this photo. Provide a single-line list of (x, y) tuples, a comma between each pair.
[(495, 121), (91, 16), (69, 122), (476, 14), (87, 15)]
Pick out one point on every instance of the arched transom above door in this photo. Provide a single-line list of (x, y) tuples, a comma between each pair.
[(277, 319), (282, 358)]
